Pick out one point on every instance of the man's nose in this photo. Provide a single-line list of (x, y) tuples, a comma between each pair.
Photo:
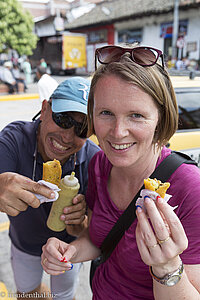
[(68, 134)]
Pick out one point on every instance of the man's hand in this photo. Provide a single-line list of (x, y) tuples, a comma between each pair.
[(16, 193), (75, 215)]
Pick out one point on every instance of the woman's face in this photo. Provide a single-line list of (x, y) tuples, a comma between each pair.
[(125, 119)]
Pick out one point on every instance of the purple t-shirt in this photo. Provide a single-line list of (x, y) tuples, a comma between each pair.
[(124, 276)]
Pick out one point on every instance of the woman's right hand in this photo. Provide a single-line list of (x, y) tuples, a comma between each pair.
[(56, 256)]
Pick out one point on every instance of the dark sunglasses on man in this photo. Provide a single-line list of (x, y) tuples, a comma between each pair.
[(66, 121), (143, 56)]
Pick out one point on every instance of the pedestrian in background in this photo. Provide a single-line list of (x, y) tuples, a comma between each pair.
[(43, 63), (7, 77), (16, 74), (26, 67), (46, 84), (132, 110)]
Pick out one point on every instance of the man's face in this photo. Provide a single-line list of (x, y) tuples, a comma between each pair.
[(54, 141)]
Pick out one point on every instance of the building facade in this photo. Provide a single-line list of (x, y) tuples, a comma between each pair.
[(150, 22)]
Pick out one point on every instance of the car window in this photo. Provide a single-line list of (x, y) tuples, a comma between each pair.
[(189, 108)]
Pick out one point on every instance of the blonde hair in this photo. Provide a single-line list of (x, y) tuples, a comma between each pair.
[(152, 80)]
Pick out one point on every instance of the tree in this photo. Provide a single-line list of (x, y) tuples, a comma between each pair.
[(16, 28)]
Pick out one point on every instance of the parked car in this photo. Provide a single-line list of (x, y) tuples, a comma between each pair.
[(187, 137)]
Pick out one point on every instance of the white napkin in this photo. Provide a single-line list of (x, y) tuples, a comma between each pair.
[(52, 186), (153, 195)]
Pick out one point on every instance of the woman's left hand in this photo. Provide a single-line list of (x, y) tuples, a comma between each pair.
[(160, 244), (53, 258)]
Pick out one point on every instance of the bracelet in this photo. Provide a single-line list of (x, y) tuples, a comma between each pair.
[(169, 279)]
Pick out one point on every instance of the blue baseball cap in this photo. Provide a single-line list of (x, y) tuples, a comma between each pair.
[(71, 95)]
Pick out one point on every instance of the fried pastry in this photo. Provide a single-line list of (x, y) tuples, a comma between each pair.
[(52, 171), (157, 186)]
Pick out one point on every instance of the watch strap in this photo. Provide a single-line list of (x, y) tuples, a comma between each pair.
[(168, 278)]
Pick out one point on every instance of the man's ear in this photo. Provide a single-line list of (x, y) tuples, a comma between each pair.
[(45, 106)]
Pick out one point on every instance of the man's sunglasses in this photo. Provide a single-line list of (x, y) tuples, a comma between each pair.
[(143, 56), (64, 120)]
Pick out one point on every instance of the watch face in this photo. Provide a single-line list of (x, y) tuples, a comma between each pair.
[(173, 280)]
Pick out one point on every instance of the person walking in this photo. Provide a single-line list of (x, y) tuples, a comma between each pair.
[(26, 67), (46, 84)]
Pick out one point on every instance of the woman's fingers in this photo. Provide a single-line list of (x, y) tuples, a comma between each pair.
[(160, 235), (157, 221), (176, 229), (53, 259)]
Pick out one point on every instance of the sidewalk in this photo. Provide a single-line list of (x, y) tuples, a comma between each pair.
[(32, 93), (7, 285)]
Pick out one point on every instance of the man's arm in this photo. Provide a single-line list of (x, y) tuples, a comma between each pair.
[(17, 193)]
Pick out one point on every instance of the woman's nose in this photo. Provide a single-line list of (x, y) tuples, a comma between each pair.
[(120, 128)]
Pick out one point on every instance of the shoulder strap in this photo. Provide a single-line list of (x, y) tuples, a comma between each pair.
[(168, 166), (162, 172)]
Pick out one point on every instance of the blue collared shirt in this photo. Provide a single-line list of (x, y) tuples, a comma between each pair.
[(28, 231)]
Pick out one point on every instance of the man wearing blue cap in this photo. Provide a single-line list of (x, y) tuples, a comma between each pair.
[(59, 133)]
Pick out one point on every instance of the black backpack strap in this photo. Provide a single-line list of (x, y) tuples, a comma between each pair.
[(170, 164), (162, 172)]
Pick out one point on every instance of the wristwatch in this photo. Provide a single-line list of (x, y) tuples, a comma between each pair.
[(170, 279)]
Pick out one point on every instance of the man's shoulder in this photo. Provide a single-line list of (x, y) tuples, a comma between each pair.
[(87, 151), (19, 131), (91, 147), (19, 126), (13, 127)]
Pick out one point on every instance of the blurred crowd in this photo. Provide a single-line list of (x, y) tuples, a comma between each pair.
[(182, 64), (17, 74)]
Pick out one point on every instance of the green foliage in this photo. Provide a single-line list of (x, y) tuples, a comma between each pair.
[(16, 28)]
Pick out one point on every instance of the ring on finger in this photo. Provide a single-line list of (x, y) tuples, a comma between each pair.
[(153, 246), (160, 242), (44, 260)]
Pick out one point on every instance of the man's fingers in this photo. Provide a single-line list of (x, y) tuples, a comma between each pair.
[(37, 188), (26, 198), (11, 211), (78, 199)]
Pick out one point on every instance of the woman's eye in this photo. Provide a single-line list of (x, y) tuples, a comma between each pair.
[(137, 116), (106, 113)]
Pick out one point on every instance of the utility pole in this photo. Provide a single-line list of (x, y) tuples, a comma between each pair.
[(175, 28)]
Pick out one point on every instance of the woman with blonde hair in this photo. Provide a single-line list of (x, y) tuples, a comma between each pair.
[(132, 110)]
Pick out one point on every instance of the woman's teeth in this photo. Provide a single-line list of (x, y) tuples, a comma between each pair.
[(58, 146), (121, 147)]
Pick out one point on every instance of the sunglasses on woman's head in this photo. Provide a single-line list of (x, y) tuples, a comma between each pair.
[(64, 120), (143, 56)]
